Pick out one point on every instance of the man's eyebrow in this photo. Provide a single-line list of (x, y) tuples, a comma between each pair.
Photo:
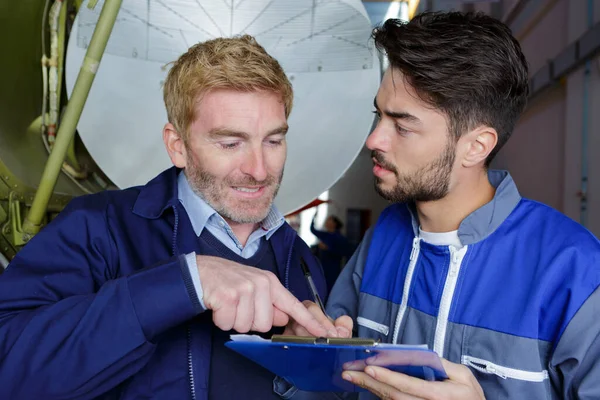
[(223, 132), (282, 130), (399, 115), (228, 133)]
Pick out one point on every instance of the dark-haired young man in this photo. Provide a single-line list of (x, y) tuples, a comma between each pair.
[(502, 287)]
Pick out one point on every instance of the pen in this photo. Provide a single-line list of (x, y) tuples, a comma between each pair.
[(311, 285)]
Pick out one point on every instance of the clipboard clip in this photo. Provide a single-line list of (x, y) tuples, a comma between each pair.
[(324, 340)]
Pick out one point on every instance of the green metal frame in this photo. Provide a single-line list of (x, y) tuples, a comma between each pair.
[(62, 33), (34, 220), (14, 197), (44, 203)]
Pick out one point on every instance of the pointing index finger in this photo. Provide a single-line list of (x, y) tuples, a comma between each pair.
[(286, 302)]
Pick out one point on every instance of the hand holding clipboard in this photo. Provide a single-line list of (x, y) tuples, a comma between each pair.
[(316, 363)]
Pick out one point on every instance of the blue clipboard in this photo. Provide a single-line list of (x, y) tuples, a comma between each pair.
[(316, 364)]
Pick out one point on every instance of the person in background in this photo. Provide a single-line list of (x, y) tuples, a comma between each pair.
[(333, 249)]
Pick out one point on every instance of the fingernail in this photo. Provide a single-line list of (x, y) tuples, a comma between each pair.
[(371, 360), (370, 371), (332, 333), (347, 377), (343, 332)]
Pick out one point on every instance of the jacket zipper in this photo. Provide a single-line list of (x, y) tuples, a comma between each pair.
[(190, 363), (376, 326), (189, 328), (488, 367), (456, 257), (414, 255)]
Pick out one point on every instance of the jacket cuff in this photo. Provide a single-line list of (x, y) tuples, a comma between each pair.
[(161, 298), (192, 278)]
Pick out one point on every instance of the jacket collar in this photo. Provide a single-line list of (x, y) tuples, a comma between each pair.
[(486, 219), (157, 195)]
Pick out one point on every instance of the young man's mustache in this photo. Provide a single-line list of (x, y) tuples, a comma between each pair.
[(378, 157)]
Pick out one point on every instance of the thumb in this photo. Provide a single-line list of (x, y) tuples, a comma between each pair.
[(344, 325)]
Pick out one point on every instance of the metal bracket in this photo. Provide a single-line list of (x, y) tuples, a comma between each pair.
[(3, 214), (12, 230)]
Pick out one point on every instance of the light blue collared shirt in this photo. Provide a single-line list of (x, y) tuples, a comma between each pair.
[(204, 216)]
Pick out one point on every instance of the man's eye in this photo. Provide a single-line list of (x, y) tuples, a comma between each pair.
[(229, 146), (401, 130)]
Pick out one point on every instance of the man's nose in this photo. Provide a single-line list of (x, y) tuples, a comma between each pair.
[(254, 165)]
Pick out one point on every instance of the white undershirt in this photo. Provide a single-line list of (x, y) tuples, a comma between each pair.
[(441, 238)]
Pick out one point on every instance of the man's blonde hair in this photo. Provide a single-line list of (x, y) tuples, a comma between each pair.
[(237, 63)]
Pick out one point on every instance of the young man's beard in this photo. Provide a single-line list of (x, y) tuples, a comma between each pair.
[(428, 183)]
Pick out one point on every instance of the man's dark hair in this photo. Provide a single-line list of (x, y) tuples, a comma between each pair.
[(338, 223), (467, 65)]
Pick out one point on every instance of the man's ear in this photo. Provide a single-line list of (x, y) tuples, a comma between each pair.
[(480, 142), (175, 146)]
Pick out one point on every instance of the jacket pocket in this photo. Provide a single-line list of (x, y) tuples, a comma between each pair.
[(376, 326), (503, 372)]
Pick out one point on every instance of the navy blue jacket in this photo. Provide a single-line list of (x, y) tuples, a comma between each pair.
[(100, 303)]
